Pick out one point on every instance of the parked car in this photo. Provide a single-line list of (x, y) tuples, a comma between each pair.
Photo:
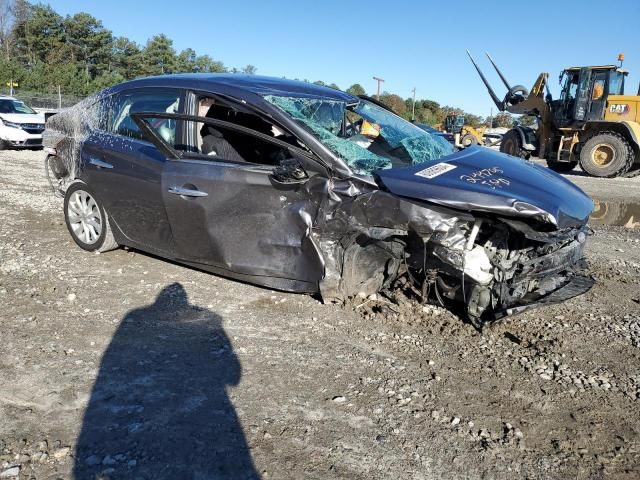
[(304, 188), (20, 125)]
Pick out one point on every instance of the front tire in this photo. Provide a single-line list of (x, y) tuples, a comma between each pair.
[(511, 144), (87, 220), (467, 140), (606, 154)]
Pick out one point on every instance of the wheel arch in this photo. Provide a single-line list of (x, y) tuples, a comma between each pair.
[(528, 138)]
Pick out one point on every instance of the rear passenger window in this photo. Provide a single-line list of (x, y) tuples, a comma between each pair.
[(149, 100)]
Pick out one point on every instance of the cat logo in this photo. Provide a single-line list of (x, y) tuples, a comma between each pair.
[(619, 108)]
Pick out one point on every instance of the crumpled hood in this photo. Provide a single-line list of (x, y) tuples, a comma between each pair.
[(23, 117), (483, 180)]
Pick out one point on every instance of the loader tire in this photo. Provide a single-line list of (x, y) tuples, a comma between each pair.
[(468, 140), (512, 145), (606, 154)]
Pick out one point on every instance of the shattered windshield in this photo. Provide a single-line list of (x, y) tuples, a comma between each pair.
[(367, 137)]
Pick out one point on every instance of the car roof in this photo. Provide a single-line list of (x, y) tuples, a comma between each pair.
[(7, 97), (256, 84)]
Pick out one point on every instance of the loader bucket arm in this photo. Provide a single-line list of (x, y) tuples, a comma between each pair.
[(493, 95), (538, 88), (504, 80)]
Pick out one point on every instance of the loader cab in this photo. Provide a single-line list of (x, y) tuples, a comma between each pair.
[(454, 123), (585, 91)]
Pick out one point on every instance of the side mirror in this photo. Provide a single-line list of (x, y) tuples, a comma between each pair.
[(289, 172)]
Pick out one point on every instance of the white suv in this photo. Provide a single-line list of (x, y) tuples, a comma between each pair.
[(20, 125)]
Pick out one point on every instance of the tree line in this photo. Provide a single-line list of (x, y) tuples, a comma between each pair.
[(429, 112), (41, 51)]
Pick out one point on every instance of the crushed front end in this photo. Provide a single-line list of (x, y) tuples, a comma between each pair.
[(495, 267), (480, 265)]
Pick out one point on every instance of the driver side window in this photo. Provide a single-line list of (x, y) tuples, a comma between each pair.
[(215, 142), (223, 143)]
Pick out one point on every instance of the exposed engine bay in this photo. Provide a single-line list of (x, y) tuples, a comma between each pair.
[(490, 267), (504, 270)]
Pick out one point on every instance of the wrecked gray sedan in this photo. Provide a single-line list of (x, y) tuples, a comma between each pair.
[(304, 188)]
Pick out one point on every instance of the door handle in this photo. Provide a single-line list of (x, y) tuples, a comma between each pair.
[(187, 192), (99, 163)]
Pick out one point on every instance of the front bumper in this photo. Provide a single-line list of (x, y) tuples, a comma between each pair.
[(27, 143), (18, 138), (575, 287)]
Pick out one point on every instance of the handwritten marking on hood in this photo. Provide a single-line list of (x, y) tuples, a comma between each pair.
[(487, 176)]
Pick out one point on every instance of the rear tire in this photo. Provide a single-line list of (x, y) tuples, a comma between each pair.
[(512, 145), (87, 220), (606, 154), (561, 167)]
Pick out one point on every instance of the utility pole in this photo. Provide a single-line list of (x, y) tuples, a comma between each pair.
[(59, 98), (413, 110), (379, 80)]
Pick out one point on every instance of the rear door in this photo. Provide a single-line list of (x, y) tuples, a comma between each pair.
[(125, 169), (234, 216)]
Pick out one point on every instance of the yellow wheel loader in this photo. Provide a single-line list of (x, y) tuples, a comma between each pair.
[(593, 123), (464, 135)]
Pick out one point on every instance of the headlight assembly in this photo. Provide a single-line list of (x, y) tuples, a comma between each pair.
[(11, 124)]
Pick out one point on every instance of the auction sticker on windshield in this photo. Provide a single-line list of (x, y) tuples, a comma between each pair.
[(435, 170)]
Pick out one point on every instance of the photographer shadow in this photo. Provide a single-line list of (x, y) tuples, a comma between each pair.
[(159, 407)]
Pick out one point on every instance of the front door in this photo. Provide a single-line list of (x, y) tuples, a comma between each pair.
[(583, 95), (228, 211), (598, 95), (242, 222)]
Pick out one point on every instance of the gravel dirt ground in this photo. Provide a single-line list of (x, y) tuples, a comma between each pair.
[(124, 365)]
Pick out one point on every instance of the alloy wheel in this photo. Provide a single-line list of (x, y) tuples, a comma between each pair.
[(84, 216)]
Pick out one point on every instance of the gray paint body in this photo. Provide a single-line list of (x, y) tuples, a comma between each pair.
[(306, 237)]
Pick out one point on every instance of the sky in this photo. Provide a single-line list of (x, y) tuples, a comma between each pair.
[(409, 44)]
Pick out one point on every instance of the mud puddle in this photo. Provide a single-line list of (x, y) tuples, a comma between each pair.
[(625, 214)]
